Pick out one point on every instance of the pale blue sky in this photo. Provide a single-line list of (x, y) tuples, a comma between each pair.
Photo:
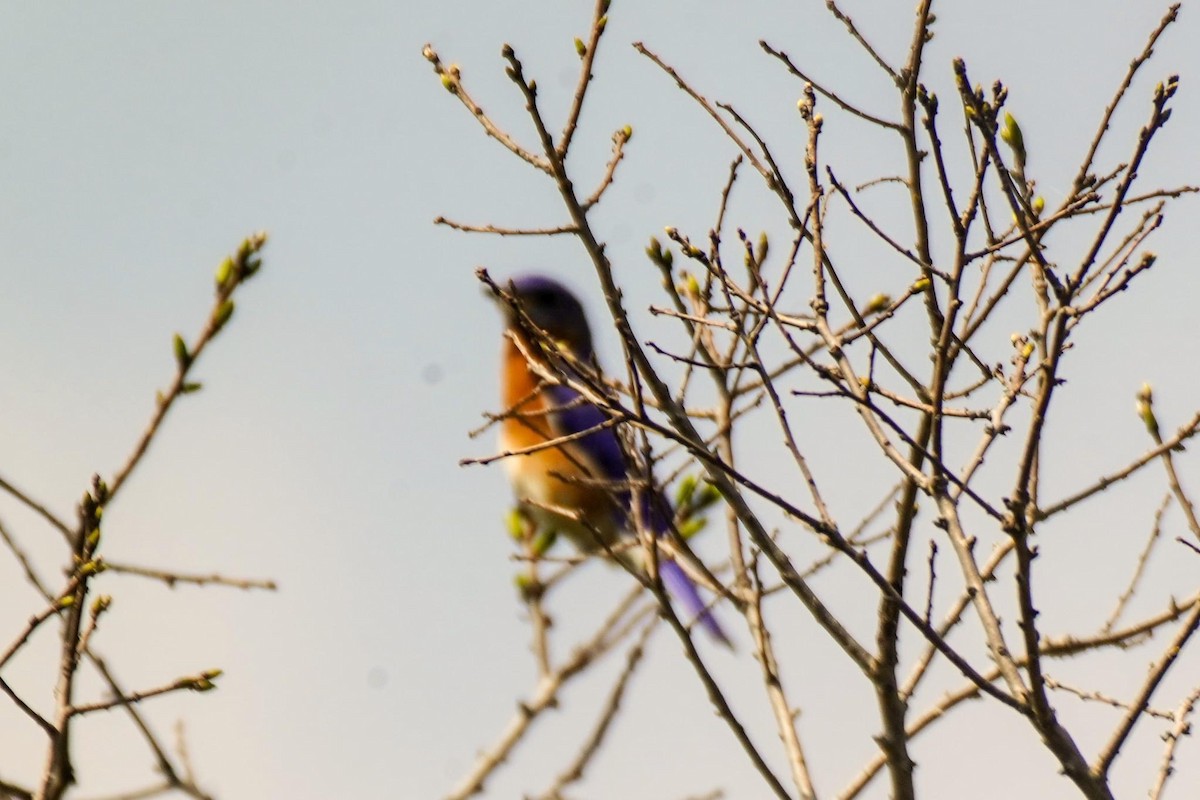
[(140, 141)]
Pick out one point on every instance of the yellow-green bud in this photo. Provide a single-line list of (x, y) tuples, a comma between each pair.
[(1010, 132), (580, 47), (602, 23), (920, 285), (224, 271), (514, 521), (448, 84), (1039, 205), (1145, 408), (691, 527), (687, 488), (877, 302), (627, 132), (527, 586), (182, 357), (708, 495), (66, 601), (542, 542), (654, 250), (222, 314)]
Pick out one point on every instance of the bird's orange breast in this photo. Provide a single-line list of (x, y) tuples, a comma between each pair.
[(561, 475)]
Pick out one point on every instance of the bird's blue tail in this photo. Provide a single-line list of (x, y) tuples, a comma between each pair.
[(682, 587)]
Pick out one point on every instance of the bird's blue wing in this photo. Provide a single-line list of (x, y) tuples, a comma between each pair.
[(574, 414)]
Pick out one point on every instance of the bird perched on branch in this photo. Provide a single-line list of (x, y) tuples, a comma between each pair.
[(578, 485)]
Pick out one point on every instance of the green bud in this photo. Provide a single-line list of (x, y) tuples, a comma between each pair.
[(192, 386), (691, 527), (212, 674), (182, 357), (876, 303), (1145, 408), (514, 521), (764, 247), (1010, 132), (602, 23), (224, 272), (527, 586), (93, 539), (222, 314), (687, 488), (544, 540), (580, 47), (101, 604), (708, 495), (654, 250)]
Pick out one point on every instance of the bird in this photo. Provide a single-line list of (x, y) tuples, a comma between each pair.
[(578, 487)]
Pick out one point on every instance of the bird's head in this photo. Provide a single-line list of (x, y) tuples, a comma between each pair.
[(553, 308)]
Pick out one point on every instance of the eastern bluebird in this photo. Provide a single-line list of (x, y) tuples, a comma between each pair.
[(586, 477)]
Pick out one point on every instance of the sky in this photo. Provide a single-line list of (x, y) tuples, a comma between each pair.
[(141, 141)]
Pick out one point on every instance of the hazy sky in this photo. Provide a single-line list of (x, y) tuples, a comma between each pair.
[(140, 141)]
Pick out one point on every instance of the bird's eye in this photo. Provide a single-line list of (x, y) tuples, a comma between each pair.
[(544, 299)]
